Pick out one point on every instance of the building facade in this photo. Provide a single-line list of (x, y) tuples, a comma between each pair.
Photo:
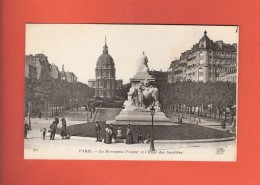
[(105, 82), (206, 61), (55, 73), (38, 62), (37, 67), (67, 76)]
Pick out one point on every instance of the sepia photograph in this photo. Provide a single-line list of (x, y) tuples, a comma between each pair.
[(131, 92)]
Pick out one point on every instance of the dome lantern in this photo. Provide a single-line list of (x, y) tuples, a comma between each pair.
[(105, 48)]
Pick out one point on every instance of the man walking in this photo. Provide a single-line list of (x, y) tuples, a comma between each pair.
[(53, 128), (29, 120), (97, 129), (26, 129)]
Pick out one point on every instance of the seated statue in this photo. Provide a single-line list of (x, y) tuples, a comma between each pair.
[(142, 64)]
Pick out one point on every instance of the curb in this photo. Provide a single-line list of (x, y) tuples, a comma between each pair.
[(197, 140), (173, 141)]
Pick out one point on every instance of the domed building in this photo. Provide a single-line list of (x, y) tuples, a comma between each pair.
[(105, 82)]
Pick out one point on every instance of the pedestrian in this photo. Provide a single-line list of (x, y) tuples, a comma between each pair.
[(129, 135), (108, 133), (40, 114), (97, 129), (223, 123), (53, 128), (140, 138), (196, 120), (119, 133), (43, 133), (63, 128), (113, 135), (56, 119), (148, 138), (26, 129), (29, 121)]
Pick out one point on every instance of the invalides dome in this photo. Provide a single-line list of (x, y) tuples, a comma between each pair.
[(105, 60)]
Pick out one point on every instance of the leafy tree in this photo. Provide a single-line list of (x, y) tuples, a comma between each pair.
[(216, 95)]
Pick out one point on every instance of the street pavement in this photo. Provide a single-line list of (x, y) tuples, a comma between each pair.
[(87, 148), (205, 122)]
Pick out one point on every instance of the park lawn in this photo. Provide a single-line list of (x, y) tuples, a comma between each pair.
[(183, 131)]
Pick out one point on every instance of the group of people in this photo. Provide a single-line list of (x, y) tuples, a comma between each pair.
[(111, 133), (54, 127)]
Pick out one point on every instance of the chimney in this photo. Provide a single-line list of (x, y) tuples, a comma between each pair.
[(220, 43), (235, 45)]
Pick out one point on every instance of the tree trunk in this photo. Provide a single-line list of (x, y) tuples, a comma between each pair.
[(190, 109), (199, 112), (182, 110), (225, 114), (210, 112), (219, 112)]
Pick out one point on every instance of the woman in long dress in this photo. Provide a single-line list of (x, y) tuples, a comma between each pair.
[(129, 135), (108, 133), (63, 128)]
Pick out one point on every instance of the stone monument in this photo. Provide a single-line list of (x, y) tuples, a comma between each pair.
[(142, 96)]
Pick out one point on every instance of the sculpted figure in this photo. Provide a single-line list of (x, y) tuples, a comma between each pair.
[(132, 102), (137, 95), (142, 64), (140, 89)]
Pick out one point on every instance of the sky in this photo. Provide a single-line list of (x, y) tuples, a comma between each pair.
[(78, 46)]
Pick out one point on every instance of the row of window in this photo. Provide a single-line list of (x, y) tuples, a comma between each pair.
[(103, 93), (105, 73)]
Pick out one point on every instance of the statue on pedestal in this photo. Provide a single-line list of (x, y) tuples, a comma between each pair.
[(142, 96), (142, 64)]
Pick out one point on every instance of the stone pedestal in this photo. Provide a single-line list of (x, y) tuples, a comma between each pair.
[(141, 118)]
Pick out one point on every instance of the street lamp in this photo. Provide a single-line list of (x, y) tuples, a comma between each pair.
[(152, 110)]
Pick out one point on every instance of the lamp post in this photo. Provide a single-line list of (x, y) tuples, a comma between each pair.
[(87, 109), (152, 110)]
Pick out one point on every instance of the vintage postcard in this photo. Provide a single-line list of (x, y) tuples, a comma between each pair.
[(131, 92)]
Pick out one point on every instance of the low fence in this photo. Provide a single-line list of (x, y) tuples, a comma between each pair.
[(45, 110), (192, 112), (109, 104)]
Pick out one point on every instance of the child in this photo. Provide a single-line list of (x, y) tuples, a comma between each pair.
[(140, 138), (44, 133)]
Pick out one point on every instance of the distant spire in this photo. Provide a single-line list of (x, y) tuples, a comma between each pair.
[(62, 67), (105, 48), (205, 32)]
